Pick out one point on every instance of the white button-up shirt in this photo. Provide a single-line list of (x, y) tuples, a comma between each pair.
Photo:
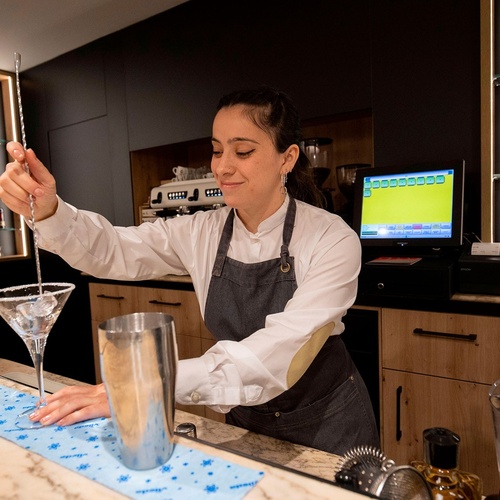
[(327, 262)]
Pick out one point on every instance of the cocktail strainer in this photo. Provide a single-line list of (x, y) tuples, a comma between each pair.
[(366, 469)]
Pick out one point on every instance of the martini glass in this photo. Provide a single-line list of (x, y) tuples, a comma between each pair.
[(31, 311)]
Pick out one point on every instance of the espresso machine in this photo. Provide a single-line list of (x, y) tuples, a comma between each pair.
[(173, 199)]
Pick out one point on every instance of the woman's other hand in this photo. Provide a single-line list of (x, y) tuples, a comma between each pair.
[(73, 404), (16, 184)]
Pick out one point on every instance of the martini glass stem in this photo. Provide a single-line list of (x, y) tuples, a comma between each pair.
[(36, 350)]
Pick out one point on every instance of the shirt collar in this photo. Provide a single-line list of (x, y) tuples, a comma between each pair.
[(272, 221)]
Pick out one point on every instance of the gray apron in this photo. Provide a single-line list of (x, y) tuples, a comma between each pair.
[(329, 407)]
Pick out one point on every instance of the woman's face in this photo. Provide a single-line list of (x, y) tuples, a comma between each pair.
[(247, 165)]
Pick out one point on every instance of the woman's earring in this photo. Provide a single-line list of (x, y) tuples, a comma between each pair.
[(283, 189)]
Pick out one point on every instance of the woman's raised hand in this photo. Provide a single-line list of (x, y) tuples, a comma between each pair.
[(16, 184)]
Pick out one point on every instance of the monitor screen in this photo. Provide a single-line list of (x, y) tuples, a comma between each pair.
[(412, 205)]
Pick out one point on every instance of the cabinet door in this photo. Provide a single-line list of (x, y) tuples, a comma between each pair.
[(184, 309), (413, 403), (456, 346), (108, 301)]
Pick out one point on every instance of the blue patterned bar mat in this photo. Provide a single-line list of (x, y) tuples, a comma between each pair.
[(91, 449)]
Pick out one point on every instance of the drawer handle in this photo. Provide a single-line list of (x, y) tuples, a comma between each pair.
[(113, 297), (162, 303), (457, 336), (399, 390)]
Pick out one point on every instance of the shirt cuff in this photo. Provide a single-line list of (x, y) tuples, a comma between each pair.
[(192, 385), (52, 228)]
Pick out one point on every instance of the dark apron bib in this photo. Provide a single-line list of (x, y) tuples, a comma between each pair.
[(323, 408)]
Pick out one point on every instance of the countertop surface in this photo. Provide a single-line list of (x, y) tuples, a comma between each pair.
[(288, 469), (456, 297)]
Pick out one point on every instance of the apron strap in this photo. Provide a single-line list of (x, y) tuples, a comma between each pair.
[(285, 264), (227, 234), (225, 240)]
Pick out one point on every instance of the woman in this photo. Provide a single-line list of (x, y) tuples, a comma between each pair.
[(273, 275)]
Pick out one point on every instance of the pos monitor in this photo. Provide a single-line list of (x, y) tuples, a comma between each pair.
[(410, 208)]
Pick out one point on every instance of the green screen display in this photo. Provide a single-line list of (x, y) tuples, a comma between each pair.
[(408, 205)]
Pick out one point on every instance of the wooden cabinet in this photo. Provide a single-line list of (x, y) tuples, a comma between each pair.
[(193, 339), (436, 372)]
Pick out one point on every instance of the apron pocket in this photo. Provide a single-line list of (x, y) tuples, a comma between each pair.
[(337, 422)]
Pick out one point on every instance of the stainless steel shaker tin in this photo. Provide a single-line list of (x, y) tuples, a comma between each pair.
[(138, 356)]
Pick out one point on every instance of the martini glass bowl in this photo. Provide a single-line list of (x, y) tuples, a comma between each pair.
[(31, 311)]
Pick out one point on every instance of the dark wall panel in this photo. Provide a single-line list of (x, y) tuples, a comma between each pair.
[(426, 92), (80, 161), (180, 63), (119, 158), (77, 105), (74, 87)]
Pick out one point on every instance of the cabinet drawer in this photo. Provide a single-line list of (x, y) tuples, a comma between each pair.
[(108, 301), (181, 305), (447, 345)]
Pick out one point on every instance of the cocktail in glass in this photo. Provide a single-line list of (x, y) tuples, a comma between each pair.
[(31, 311)]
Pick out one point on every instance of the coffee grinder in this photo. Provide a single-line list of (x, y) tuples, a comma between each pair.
[(318, 151), (346, 178)]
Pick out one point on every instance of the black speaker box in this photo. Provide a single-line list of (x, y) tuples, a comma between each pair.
[(479, 274)]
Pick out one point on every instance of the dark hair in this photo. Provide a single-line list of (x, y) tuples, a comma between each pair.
[(274, 112)]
